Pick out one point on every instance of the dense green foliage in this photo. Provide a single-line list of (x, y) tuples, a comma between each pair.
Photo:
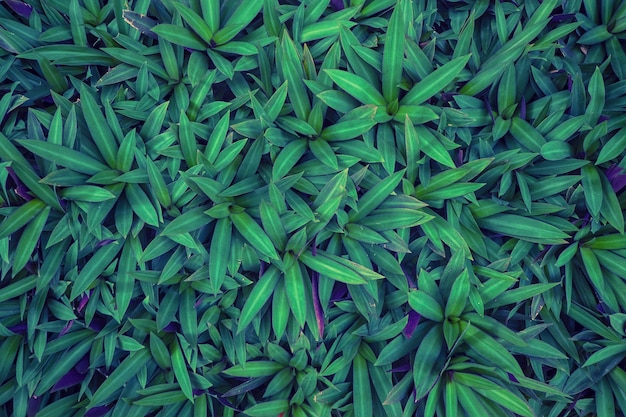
[(310, 208)]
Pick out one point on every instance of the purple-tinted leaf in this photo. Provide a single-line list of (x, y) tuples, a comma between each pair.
[(104, 242), (22, 191), (558, 18), (616, 177), (33, 406), (409, 279), (97, 324), (20, 7), (401, 368), (98, 411), (172, 328), (603, 118), (340, 290), (570, 82), (448, 96), (83, 301), (198, 391), (489, 110), (512, 378), (522, 110), (337, 4), (66, 328), (261, 268), (82, 367), (73, 377), (19, 328), (414, 320), (317, 305), (600, 308)]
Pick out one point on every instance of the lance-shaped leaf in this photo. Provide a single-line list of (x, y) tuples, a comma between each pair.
[(195, 22), (254, 234), (328, 265), (592, 187), (459, 294), (426, 368), (362, 394), (426, 305), (493, 67), (179, 365), (29, 239), (268, 408), (428, 143), (179, 35), (375, 196), (64, 156), (98, 127), (294, 74), (238, 21), (126, 370), (435, 81), (356, 86), (93, 268), (296, 292), (393, 54), (524, 228), (259, 296), (347, 130)]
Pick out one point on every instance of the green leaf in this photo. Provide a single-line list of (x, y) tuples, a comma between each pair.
[(254, 234), (362, 394), (180, 369), (429, 144), (195, 22), (18, 288), (427, 361), (64, 156), (592, 187), (254, 369), (141, 204), (613, 147), (259, 296), (20, 217), (459, 294), (597, 93), (268, 408), (296, 292), (98, 127), (491, 350), (393, 54), (347, 130), (29, 239), (524, 228), (126, 370), (426, 305), (435, 81), (94, 267), (605, 353), (327, 264), (507, 400), (179, 35), (292, 71), (356, 86)]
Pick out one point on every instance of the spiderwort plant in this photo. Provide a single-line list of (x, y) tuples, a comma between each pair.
[(312, 208)]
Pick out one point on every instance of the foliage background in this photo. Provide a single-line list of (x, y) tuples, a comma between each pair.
[(316, 208)]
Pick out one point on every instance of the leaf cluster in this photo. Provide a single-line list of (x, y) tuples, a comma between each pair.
[(312, 208)]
